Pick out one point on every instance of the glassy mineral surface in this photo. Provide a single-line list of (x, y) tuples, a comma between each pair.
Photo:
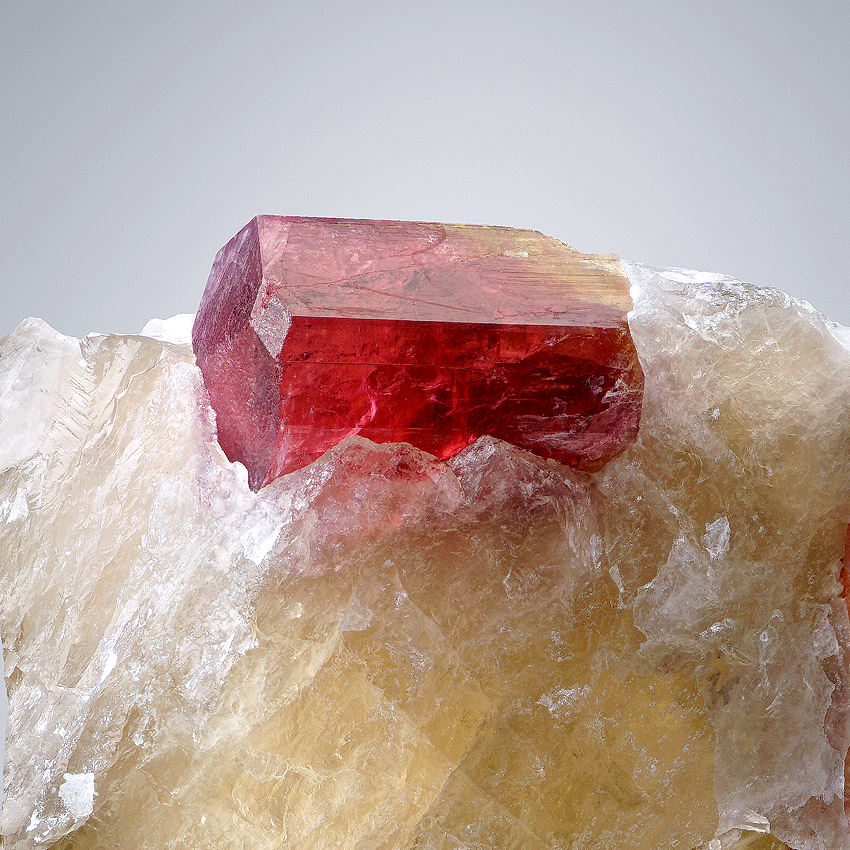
[(315, 329), (388, 650)]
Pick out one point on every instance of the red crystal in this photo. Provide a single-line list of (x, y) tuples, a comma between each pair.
[(313, 329)]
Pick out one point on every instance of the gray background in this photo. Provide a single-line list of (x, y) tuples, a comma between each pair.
[(138, 137)]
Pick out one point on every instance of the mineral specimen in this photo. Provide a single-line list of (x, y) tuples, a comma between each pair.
[(312, 330), (388, 651)]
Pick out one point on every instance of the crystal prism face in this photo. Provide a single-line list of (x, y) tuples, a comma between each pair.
[(311, 330)]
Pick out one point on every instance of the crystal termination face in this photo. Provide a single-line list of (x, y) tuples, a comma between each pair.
[(312, 330)]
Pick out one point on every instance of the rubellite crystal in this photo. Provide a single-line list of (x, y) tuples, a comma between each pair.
[(311, 330), (387, 651)]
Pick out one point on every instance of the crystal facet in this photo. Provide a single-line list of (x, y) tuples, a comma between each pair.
[(311, 330)]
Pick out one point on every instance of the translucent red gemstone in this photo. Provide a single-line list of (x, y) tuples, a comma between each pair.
[(311, 330)]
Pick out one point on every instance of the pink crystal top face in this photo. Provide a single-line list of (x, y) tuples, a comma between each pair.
[(426, 272), (311, 330)]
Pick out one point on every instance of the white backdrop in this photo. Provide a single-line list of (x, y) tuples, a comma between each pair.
[(137, 138)]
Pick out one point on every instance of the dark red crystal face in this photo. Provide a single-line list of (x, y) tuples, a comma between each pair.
[(311, 330)]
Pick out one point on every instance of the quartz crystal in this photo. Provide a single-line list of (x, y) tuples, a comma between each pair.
[(312, 330), (385, 650)]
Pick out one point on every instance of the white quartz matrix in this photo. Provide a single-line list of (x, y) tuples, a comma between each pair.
[(387, 652)]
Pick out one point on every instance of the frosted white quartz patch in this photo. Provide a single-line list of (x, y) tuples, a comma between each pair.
[(77, 793)]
